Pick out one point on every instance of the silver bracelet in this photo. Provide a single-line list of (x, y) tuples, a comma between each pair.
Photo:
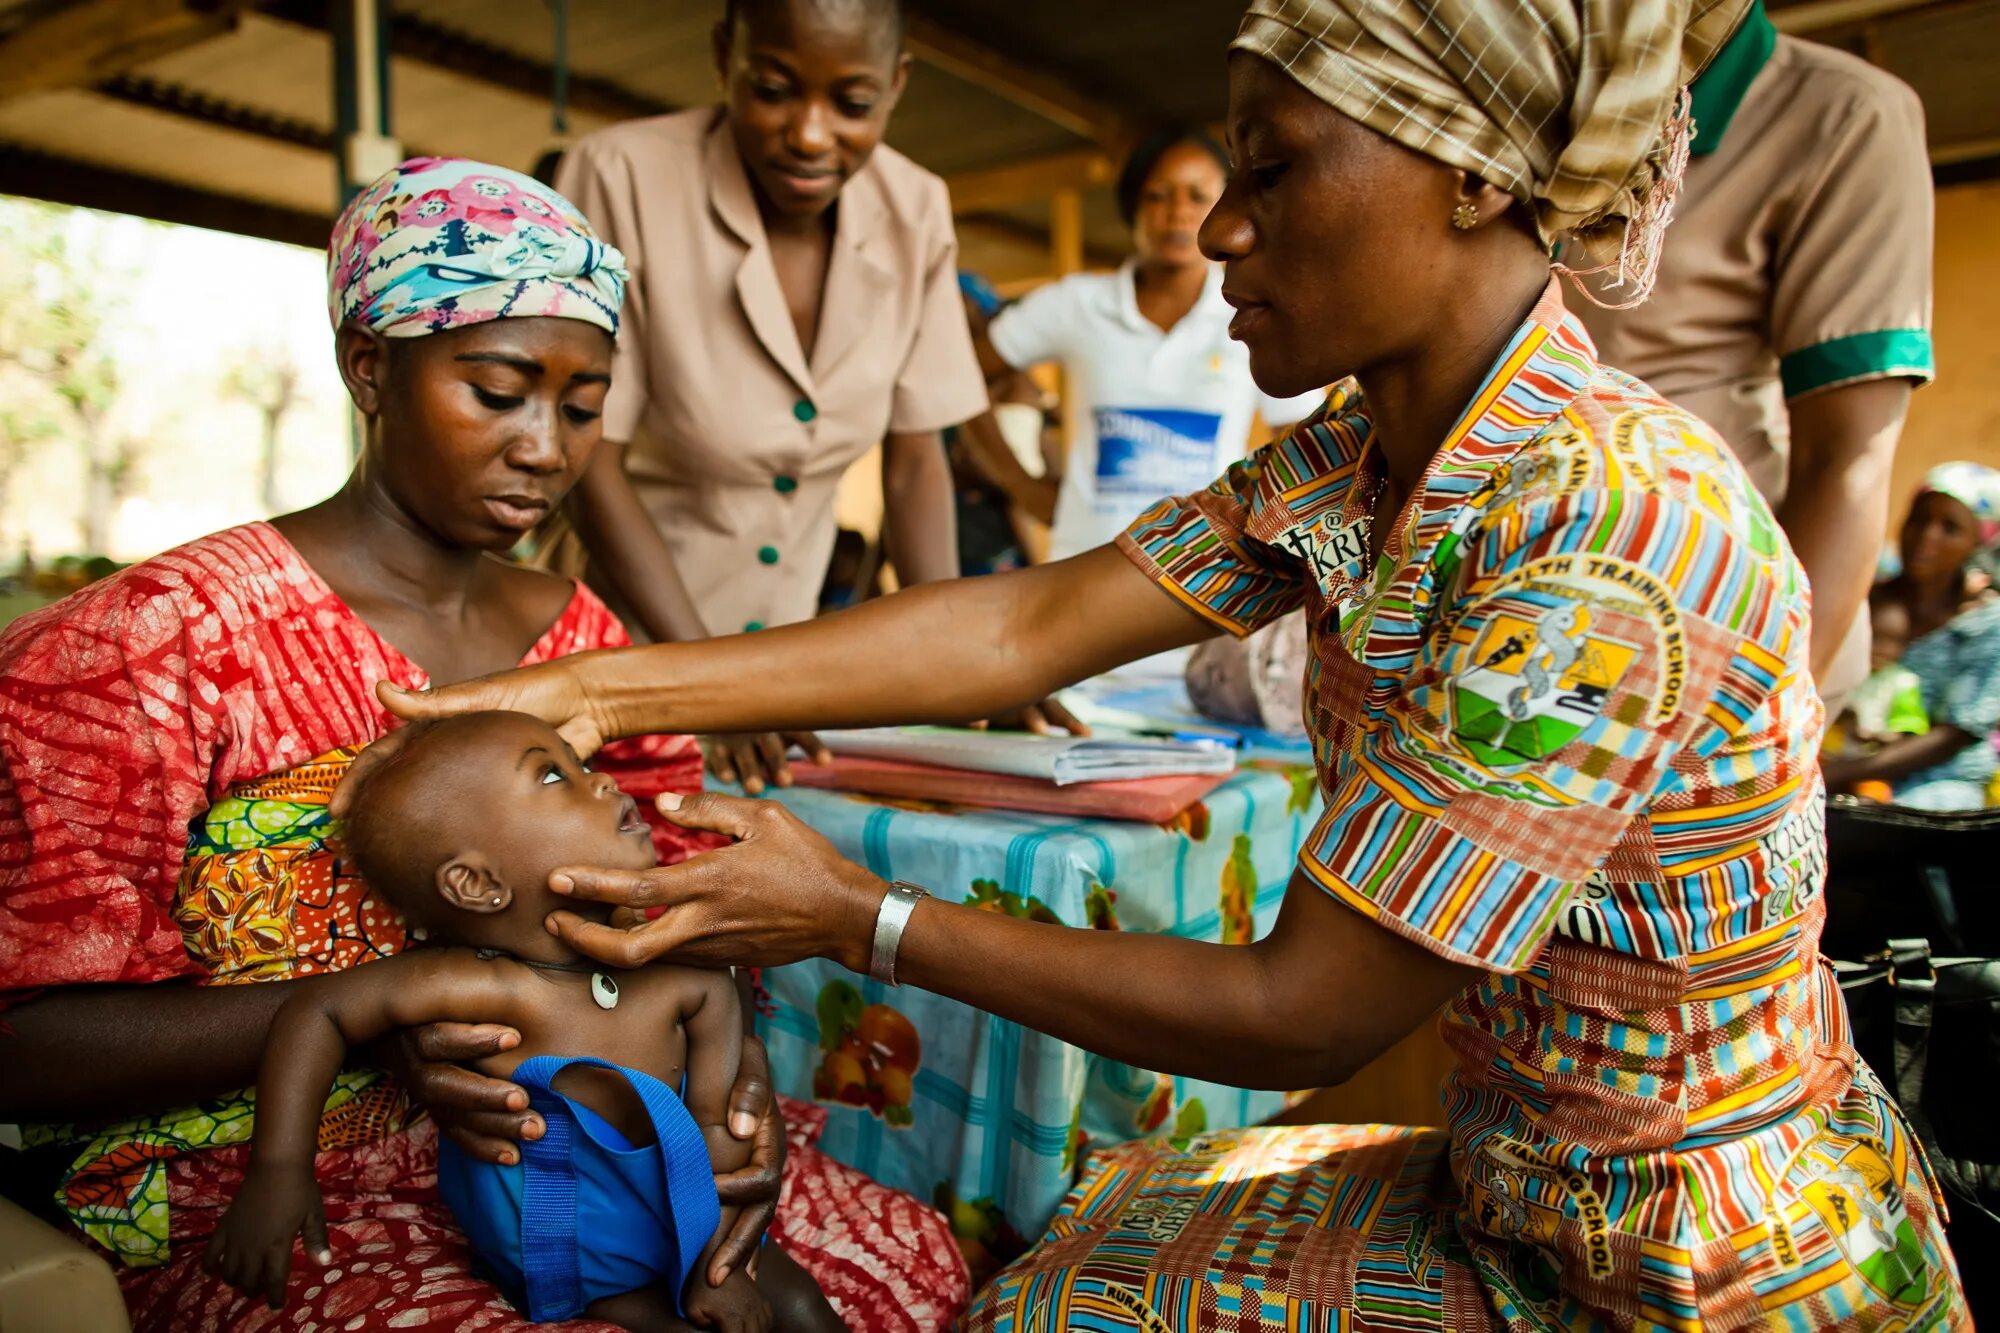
[(897, 904)]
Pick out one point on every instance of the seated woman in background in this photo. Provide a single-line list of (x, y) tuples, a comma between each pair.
[(170, 737), (1953, 631)]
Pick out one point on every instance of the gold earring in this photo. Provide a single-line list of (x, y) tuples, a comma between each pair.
[(1465, 217)]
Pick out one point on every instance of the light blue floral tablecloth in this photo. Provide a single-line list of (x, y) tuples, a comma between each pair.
[(973, 1112)]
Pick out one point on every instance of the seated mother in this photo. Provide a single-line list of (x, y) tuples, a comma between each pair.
[(1564, 727), (225, 685)]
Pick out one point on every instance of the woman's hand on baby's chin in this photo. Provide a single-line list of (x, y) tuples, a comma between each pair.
[(778, 894)]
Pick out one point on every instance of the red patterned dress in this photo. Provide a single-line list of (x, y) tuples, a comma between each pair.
[(213, 686)]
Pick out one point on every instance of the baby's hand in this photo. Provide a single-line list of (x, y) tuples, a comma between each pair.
[(252, 1248), (734, 1307)]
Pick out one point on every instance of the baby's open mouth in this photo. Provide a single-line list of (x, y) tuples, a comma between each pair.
[(629, 818)]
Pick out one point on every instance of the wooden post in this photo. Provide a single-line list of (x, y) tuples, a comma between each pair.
[(1066, 231), (1066, 255), (364, 145)]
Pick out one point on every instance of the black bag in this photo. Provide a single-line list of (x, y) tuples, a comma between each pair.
[(1930, 1029), (1896, 873), (1928, 1026)]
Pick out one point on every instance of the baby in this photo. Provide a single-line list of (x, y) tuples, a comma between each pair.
[(1890, 703), (613, 1214)]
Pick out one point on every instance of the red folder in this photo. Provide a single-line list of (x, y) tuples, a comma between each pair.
[(1141, 800)]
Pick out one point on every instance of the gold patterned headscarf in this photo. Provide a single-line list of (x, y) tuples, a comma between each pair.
[(1572, 106)]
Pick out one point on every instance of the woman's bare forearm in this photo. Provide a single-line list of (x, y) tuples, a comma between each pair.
[(1155, 1001), (990, 454), (943, 652), (921, 529), (1321, 996), (629, 551), (1899, 758), (100, 1053)]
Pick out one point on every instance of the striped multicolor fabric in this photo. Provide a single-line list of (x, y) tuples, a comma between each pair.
[(1565, 733)]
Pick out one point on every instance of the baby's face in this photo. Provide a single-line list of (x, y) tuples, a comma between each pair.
[(509, 789), (1889, 632)]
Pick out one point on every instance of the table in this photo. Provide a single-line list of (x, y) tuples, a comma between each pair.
[(974, 1113)]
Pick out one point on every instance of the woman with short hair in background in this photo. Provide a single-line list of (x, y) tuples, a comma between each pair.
[(1157, 398)]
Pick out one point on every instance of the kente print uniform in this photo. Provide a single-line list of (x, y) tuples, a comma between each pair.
[(1564, 730)]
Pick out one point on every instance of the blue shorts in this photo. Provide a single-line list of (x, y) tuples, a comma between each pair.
[(645, 1213)]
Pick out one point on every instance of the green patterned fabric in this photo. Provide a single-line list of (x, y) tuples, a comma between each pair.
[(115, 1190)]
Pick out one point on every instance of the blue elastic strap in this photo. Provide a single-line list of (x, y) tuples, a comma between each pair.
[(549, 1263)]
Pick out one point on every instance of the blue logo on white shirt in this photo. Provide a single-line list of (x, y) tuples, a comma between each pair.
[(1155, 451)]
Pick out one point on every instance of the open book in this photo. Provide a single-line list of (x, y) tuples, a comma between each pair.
[(1059, 759)]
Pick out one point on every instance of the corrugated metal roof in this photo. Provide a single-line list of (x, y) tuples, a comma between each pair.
[(247, 114)]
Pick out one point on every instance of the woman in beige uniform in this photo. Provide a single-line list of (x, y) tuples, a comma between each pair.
[(794, 303)]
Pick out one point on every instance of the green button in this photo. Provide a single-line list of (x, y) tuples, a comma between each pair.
[(768, 554), (752, 626), (804, 410), (784, 485)]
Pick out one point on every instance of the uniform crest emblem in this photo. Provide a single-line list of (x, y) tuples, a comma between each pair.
[(1537, 681), (1334, 550)]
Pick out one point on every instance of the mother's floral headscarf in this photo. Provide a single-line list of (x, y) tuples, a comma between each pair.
[(442, 242), (1571, 106)]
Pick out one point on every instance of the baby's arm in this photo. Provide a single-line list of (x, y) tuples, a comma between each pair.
[(308, 1043), (714, 1029)]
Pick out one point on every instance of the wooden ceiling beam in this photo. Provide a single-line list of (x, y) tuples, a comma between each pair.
[(63, 180), (440, 47), (1029, 88), (189, 104), (94, 40), (175, 100), (996, 189), (1810, 16), (1025, 233)]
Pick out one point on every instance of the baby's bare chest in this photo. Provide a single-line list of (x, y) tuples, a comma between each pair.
[(559, 1014)]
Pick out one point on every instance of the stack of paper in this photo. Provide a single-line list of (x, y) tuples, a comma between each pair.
[(1147, 800), (1062, 760)]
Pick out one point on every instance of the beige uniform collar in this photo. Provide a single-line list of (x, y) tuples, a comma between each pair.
[(858, 272)]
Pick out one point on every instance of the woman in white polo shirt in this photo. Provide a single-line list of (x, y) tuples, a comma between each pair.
[(1158, 398)]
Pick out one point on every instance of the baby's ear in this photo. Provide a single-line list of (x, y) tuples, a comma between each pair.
[(468, 883)]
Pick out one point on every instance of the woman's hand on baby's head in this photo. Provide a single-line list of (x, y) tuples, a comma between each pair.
[(551, 691), (252, 1246)]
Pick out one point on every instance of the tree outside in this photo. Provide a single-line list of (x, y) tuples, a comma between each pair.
[(156, 383)]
